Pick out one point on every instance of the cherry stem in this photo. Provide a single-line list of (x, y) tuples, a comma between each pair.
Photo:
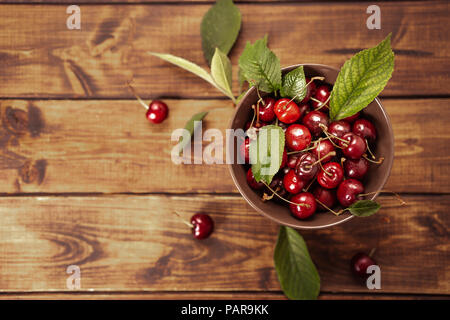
[(321, 104), (303, 150), (342, 161), (370, 151), (331, 210), (321, 167), (332, 136), (296, 204), (331, 153), (372, 252), (254, 115), (257, 112), (137, 97), (379, 161), (402, 202), (182, 220)]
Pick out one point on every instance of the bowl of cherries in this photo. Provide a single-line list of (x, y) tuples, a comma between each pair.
[(326, 165)]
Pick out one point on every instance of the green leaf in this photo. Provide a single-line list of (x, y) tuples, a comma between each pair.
[(190, 126), (294, 84), (361, 79), (220, 28), (364, 208), (260, 66), (191, 67), (221, 71), (296, 272), (266, 155)]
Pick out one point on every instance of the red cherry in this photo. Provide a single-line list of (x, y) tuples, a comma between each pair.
[(157, 111), (244, 149), (306, 166), (356, 169), (323, 147), (322, 94), (304, 109), (365, 129), (287, 112), (348, 190), (303, 212), (292, 160), (252, 182), (285, 170), (325, 196), (298, 137), (355, 146), (339, 128), (359, 264), (352, 118), (292, 183), (277, 186), (203, 225), (313, 120), (284, 159), (266, 112), (334, 176), (310, 90)]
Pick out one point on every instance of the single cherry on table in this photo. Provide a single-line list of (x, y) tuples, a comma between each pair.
[(157, 110), (202, 225), (359, 264)]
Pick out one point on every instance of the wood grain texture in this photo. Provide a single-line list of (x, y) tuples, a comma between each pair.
[(40, 57), (214, 295), (54, 146), (135, 243)]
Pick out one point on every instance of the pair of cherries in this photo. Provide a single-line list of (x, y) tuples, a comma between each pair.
[(315, 146)]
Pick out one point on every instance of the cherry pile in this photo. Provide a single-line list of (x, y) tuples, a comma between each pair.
[(324, 163)]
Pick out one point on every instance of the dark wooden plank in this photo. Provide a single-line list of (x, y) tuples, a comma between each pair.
[(135, 243), (44, 59), (53, 146), (189, 295)]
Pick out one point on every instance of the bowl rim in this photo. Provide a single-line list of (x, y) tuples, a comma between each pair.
[(389, 158)]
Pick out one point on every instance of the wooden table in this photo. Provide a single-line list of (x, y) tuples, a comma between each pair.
[(85, 180)]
